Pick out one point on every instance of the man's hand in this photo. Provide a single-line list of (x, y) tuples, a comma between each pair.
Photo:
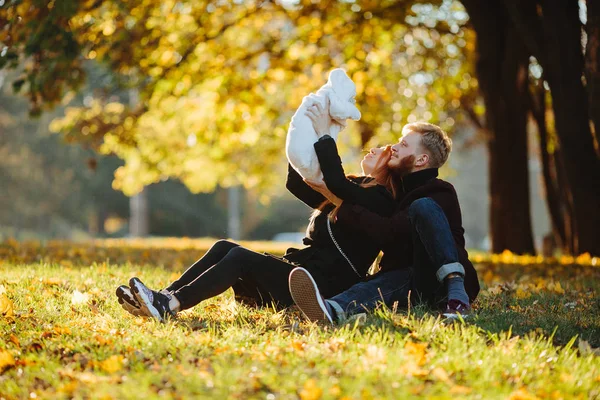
[(322, 188), (320, 117)]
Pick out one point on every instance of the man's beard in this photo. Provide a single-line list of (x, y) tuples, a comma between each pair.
[(404, 168)]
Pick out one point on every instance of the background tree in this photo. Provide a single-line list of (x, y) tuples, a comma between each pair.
[(218, 84), (552, 33)]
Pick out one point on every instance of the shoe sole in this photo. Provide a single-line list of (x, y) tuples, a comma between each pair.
[(137, 288), (128, 301), (305, 294), (455, 316)]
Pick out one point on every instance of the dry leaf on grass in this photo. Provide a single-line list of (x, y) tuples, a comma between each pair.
[(6, 306), (6, 361), (78, 298), (311, 391), (112, 364)]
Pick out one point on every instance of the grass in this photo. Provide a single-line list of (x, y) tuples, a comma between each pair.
[(535, 335)]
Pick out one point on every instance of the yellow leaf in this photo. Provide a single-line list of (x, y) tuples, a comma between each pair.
[(522, 294), (311, 391), (412, 369), (458, 389), (52, 281), (417, 351), (522, 394), (335, 391), (15, 340), (112, 364), (558, 288), (298, 345), (6, 360), (440, 374), (6, 306)]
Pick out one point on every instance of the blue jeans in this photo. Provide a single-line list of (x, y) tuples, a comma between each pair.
[(434, 258)]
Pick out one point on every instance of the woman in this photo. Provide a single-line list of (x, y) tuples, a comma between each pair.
[(336, 258)]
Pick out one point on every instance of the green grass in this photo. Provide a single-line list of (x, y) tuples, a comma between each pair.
[(69, 338)]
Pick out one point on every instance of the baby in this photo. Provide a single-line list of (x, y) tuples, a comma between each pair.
[(337, 95)]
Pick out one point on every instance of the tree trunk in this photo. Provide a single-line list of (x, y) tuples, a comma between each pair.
[(234, 212), (564, 70), (502, 72), (592, 65), (139, 225), (555, 198)]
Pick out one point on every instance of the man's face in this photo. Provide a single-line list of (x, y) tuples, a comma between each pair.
[(408, 145)]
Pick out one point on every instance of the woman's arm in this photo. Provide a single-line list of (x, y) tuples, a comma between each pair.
[(296, 185), (375, 199)]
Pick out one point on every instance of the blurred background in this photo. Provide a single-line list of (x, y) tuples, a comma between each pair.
[(147, 118)]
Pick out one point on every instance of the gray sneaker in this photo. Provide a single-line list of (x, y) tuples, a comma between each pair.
[(307, 297), (154, 304), (128, 301)]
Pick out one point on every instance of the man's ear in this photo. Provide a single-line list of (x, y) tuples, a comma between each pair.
[(422, 160)]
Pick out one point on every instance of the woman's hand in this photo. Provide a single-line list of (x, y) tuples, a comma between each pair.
[(322, 188), (319, 117)]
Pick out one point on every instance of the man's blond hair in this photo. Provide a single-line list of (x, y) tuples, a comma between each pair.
[(434, 140)]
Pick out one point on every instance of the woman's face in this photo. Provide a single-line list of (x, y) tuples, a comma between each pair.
[(371, 159)]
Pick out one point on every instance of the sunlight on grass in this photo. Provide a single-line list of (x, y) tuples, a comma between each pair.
[(65, 336)]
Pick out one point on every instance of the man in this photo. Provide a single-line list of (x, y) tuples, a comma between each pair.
[(423, 242)]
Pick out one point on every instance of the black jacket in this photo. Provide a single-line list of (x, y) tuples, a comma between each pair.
[(322, 258), (394, 235)]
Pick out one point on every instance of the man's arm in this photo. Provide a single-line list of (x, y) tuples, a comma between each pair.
[(296, 185), (386, 231)]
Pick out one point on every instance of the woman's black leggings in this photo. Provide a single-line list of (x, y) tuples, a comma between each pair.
[(258, 276)]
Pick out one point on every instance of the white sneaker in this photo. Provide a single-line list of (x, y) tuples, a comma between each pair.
[(307, 297)]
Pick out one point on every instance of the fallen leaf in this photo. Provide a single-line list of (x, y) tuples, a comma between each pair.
[(458, 389), (51, 281), (412, 369), (311, 391), (15, 340), (522, 294), (6, 306), (78, 298), (6, 361), (417, 351), (522, 394), (440, 374), (298, 345), (112, 364), (335, 391)]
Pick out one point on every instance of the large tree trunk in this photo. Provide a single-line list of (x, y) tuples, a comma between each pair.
[(592, 64), (502, 72), (555, 198), (564, 69)]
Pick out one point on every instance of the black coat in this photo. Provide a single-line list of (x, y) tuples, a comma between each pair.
[(394, 235), (328, 266)]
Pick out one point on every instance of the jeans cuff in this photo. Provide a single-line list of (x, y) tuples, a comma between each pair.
[(448, 269), (340, 314)]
